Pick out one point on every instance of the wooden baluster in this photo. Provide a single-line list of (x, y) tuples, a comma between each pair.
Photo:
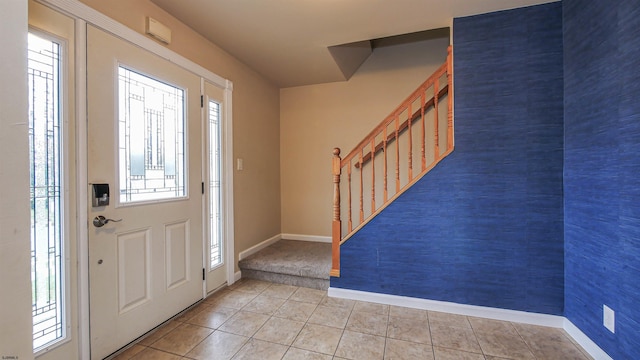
[(384, 167), (397, 158), (350, 223), (436, 122), (361, 191), (336, 231), (373, 175), (423, 147), (410, 143), (450, 98)]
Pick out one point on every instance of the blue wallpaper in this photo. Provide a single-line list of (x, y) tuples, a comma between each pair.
[(485, 227), (602, 168)]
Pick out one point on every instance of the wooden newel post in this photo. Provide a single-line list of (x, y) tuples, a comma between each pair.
[(450, 98), (336, 230)]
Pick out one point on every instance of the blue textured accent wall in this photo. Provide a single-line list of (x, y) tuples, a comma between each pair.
[(485, 227), (602, 170)]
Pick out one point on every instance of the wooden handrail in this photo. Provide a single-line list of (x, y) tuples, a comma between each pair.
[(417, 115), (450, 139), (393, 129), (389, 119)]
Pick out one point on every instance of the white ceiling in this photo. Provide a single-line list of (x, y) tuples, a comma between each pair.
[(287, 41)]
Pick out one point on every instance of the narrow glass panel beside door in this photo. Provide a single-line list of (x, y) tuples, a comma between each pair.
[(45, 149), (215, 235)]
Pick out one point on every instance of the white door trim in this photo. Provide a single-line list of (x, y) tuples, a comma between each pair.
[(84, 15), (82, 231), (81, 11), (227, 203)]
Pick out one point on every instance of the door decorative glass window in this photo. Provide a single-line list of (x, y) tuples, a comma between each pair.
[(151, 139)]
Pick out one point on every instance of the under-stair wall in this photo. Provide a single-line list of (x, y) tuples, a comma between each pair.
[(317, 118), (485, 226)]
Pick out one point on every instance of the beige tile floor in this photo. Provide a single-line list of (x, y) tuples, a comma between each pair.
[(259, 320)]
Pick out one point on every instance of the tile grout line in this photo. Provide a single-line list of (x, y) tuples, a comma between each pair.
[(524, 340), (476, 336), (386, 333), (433, 346)]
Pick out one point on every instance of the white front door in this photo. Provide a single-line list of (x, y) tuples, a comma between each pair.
[(145, 146)]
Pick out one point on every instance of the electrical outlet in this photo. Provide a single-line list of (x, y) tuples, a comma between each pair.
[(609, 318), (240, 164)]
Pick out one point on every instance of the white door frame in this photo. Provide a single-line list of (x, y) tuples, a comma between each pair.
[(84, 15)]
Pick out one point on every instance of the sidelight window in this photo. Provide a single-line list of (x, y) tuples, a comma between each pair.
[(46, 192), (215, 250)]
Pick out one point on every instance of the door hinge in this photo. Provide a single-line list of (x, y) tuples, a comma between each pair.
[(203, 187), (203, 274), (201, 101)]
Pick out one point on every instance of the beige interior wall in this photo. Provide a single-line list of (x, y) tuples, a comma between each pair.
[(316, 118), (15, 297), (255, 119)]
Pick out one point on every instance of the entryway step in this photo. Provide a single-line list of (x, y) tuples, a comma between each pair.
[(291, 262)]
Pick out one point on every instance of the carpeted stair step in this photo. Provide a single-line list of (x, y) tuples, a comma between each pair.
[(291, 262)]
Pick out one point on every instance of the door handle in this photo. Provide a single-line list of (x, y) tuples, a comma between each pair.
[(100, 221)]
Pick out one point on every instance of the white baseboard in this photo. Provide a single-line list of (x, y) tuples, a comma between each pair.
[(587, 344), (315, 238), (478, 311), (254, 249), (452, 308), (237, 276)]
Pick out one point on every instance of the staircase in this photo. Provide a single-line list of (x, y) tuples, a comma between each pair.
[(396, 154), (406, 145)]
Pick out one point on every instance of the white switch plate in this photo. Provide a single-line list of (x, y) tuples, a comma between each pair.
[(609, 318), (240, 164)]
